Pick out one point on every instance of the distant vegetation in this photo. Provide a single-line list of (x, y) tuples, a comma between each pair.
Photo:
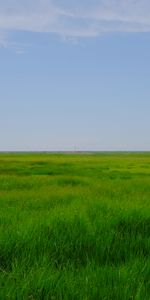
[(75, 227)]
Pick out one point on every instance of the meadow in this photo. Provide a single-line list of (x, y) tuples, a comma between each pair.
[(75, 226)]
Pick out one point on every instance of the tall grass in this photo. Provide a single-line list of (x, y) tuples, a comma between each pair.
[(75, 226)]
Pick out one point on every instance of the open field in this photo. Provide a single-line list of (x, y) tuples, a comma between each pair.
[(75, 226)]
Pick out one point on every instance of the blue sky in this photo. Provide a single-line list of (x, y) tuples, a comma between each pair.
[(74, 75)]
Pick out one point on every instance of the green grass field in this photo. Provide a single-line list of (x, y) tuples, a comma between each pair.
[(75, 226)]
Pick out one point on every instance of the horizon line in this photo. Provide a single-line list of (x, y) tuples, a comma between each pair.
[(73, 151)]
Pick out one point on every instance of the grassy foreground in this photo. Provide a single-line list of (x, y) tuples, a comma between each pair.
[(75, 226)]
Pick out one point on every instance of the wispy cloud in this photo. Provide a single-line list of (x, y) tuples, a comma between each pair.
[(17, 47), (74, 18)]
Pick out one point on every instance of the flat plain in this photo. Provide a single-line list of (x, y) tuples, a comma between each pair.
[(75, 226)]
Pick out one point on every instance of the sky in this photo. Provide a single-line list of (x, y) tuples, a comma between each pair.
[(74, 75)]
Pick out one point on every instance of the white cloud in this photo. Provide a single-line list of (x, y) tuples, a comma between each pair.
[(74, 18), (17, 47)]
